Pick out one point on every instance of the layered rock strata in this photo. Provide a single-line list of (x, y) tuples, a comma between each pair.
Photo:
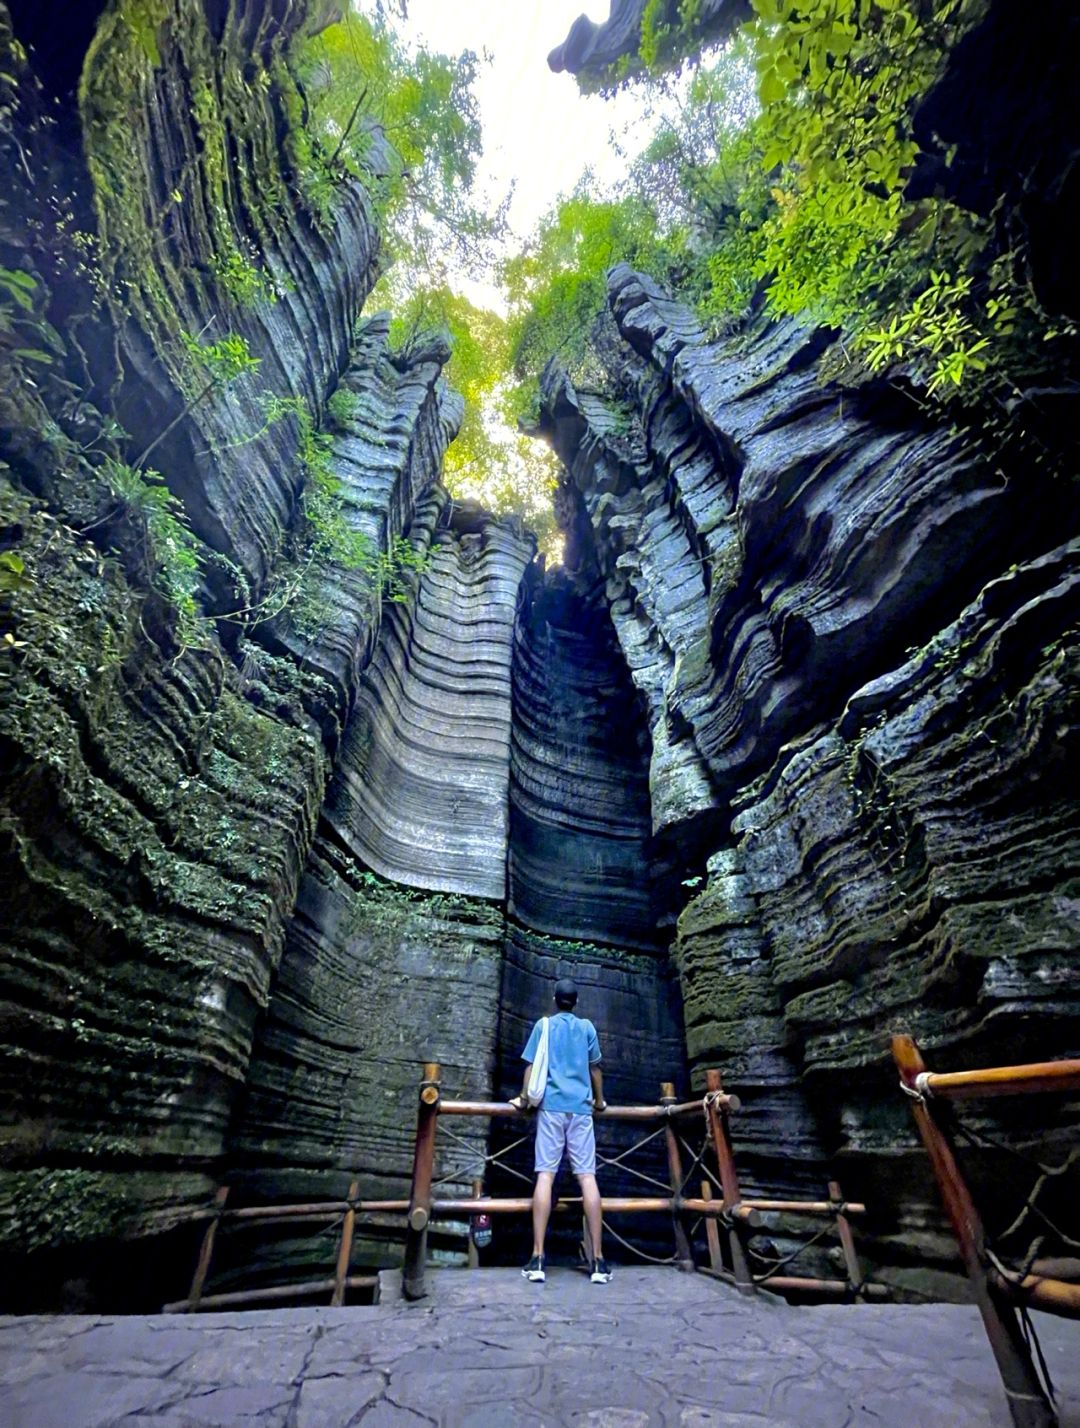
[(592, 52), (376, 978), (421, 791), (580, 851), (163, 787), (847, 634), (632, 998), (205, 232)]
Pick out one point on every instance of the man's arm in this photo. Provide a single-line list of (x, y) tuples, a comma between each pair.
[(519, 1101), (596, 1076)]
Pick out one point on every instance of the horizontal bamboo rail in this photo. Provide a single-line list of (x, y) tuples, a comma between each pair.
[(736, 1215), (798, 1284), (315, 1209), (500, 1109), (613, 1204), (1056, 1296), (1000, 1080), (271, 1293), (807, 1207)]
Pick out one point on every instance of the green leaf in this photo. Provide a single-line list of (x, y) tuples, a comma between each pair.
[(772, 88)]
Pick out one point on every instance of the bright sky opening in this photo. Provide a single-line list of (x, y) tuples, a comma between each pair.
[(540, 133)]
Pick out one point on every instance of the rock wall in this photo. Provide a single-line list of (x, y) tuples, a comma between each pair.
[(593, 51), (163, 784), (378, 977), (808, 678), (854, 637), (580, 850), (205, 227)]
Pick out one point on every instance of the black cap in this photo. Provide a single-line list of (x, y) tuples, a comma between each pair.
[(565, 992)]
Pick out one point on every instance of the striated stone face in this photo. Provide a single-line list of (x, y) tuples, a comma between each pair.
[(385, 451), (809, 654), (632, 999), (206, 116), (161, 792), (590, 51), (758, 530), (421, 789), (377, 978), (156, 821), (581, 862), (855, 641)]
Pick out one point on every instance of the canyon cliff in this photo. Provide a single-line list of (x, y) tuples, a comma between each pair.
[(776, 764)]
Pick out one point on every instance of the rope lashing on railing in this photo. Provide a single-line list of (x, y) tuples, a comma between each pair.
[(920, 1089), (617, 1161), (650, 1258), (1029, 1208), (490, 1158), (788, 1259)]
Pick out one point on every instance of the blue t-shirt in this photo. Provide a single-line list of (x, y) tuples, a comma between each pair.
[(572, 1049)]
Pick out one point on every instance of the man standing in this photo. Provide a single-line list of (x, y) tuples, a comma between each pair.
[(574, 1090)]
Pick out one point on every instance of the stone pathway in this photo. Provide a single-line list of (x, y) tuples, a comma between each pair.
[(488, 1350)]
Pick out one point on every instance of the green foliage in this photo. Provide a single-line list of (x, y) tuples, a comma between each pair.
[(839, 81), (803, 193), (211, 367), (222, 361), (819, 212), (238, 274), (556, 286), (171, 552), (324, 536), (24, 335), (144, 18), (489, 461), (12, 572), (666, 27), (409, 127), (341, 406)]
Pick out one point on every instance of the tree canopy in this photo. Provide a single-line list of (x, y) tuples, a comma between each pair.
[(786, 170)]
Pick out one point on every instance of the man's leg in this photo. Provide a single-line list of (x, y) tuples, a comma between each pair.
[(594, 1216), (541, 1208)]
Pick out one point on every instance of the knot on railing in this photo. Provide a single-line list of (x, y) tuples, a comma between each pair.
[(713, 1100)]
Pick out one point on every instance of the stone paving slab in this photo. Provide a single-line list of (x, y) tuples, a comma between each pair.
[(652, 1349)]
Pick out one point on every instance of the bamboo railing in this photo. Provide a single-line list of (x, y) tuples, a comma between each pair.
[(731, 1215), (330, 1210), (996, 1294), (729, 1219)]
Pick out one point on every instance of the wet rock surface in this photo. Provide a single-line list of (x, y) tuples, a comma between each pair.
[(592, 50), (378, 975), (853, 637), (162, 790), (651, 1349)]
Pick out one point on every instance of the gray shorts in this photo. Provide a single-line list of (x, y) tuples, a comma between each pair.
[(557, 1131)]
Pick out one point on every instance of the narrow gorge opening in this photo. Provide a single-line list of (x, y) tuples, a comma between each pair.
[(415, 591)]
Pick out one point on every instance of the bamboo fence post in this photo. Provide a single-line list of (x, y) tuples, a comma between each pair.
[(474, 1253), (729, 1180), (427, 1116), (345, 1248), (847, 1241), (683, 1252), (1028, 1404), (206, 1251), (712, 1232)]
